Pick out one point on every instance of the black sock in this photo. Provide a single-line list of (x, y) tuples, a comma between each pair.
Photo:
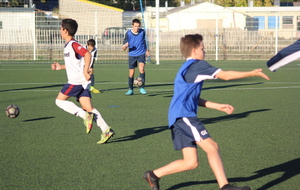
[(143, 75), (153, 175), (130, 83), (225, 186)]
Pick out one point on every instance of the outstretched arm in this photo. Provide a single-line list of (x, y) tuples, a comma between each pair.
[(231, 75), (213, 105), (56, 66)]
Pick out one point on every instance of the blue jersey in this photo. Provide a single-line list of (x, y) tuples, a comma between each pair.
[(187, 88), (137, 42)]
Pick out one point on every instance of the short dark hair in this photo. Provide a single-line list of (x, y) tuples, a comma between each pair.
[(136, 21), (70, 25), (91, 42), (188, 42)]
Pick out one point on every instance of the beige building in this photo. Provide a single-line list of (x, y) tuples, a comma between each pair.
[(205, 15), (92, 17)]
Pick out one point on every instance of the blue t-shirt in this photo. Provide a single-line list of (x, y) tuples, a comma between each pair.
[(187, 88), (137, 43)]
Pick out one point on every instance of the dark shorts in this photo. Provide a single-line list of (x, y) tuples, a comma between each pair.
[(187, 131), (134, 60), (75, 91)]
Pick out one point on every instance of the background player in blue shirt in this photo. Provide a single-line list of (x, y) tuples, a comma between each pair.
[(188, 131), (135, 40)]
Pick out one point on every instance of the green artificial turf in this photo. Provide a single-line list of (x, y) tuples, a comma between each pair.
[(46, 148)]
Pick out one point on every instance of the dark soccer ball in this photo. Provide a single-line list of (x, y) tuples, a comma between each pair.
[(138, 82), (12, 111)]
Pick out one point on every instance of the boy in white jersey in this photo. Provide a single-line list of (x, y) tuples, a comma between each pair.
[(187, 130), (77, 63), (91, 47)]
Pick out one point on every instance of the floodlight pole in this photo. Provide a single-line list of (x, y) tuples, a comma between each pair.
[(157, 32), (276, 33), (217, 36)]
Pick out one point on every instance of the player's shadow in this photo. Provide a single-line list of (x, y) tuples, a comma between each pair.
[(32, 88), (170, 93), (230, 117), (37, 119), (289, 170), (141, 133), (153, 130), (232, 85)]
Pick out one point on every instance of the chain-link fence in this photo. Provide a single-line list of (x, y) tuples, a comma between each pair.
[(34, 35)]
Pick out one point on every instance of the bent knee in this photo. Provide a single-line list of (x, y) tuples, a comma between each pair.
[(215, 145), (209, 145), (192, 165), (59, 103)]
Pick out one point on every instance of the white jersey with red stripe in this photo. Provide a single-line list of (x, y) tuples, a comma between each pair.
[(74, 65)]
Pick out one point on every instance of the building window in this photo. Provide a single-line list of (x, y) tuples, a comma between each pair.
[(259, 21), (287, 22), (0, 24), (272, 22)]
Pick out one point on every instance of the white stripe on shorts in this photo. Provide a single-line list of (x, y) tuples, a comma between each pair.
[(195, 132)]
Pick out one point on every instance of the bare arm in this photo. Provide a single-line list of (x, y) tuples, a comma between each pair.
[(87, 61), (147, 53), (213, 105), (56, 66), (124, 47), (231, 75)]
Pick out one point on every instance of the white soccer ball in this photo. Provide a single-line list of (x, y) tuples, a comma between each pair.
[(12, 111), (138, 82)]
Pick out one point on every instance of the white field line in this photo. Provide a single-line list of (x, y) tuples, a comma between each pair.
[(150, 83), (171, 89), (154, 89)]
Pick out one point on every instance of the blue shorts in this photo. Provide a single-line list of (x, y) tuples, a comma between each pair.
[(187, 131), (75, 91), (134, 60)]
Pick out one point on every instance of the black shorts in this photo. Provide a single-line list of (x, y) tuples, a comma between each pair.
[(134, 60), (187, 131)]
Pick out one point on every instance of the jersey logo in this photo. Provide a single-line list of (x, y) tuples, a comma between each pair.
[(67, 54), (204, 132), (79, 47)]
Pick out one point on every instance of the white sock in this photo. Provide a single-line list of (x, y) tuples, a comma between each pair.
[(99, 120), (71, 108)]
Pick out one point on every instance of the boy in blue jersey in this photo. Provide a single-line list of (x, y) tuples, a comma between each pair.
[(135, 40), (187, 130)]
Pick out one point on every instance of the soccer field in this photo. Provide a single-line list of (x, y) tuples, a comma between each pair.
[(46, 148)]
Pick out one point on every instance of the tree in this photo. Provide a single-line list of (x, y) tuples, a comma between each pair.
[(241, 3), (268, 3), (225, 3), (134, 5)]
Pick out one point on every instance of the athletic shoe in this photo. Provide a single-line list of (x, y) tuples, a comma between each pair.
[(94, 90), (143, 91), (88, 121), (129, 92), (233, 187), (106, 136), (151, 180)]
